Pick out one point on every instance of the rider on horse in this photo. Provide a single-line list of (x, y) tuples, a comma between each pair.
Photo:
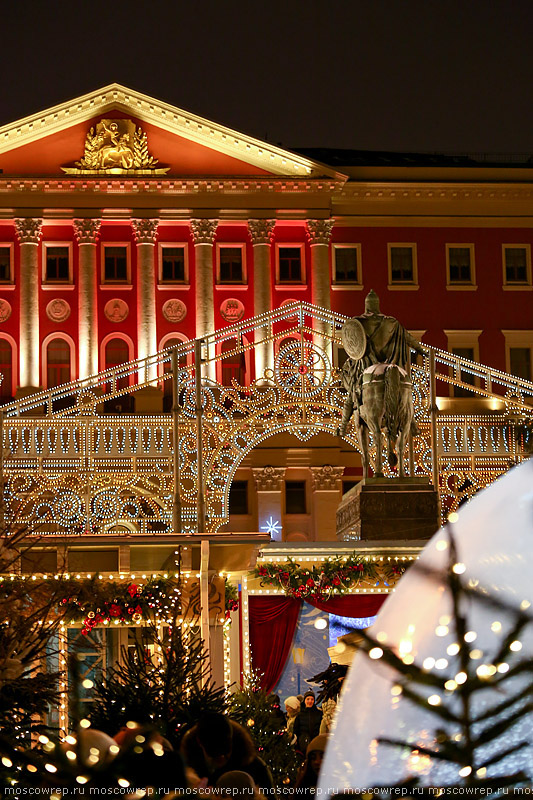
[(373, 339)]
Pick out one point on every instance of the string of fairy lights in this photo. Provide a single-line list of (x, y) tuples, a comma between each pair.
[(103, 470)]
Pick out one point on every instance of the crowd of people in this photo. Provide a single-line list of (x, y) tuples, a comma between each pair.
[(217, 755)]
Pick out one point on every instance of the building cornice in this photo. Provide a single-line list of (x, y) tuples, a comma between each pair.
[(167, 117), (173, 186), (398, 191)]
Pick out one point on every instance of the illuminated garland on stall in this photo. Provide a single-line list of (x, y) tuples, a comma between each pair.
[(334, 576), (231, 599), (99, 601)]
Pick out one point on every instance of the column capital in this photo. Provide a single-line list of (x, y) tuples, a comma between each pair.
[(204, 230), (319, 231), (268, 479), (28, 230), (145, 230), (87, 230), (326, 478), (261, 230)]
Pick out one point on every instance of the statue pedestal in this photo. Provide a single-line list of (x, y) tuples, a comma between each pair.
[(388, 508)]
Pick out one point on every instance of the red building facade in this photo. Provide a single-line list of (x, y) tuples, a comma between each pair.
[(98, 266)]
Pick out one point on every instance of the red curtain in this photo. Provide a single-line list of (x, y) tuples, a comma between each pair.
[(273, 622), (351, 605), (272, 625)]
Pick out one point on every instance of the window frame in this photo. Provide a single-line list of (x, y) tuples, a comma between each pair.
[(14, 362), (244, 278), (461, 286), (513, 286), (517, 338), (464, 338), (55, 284), (105, 284), (306, 498), (395, 286), (9, 284), (293, 284), (69, 341), (172, 285), (347, 285), (247, 495)]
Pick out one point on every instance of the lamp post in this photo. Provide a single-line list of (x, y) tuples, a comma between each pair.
[(298, 654)]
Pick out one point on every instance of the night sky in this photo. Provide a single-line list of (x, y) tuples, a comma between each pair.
[(378, 75)]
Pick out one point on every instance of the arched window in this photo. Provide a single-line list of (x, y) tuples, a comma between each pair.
[(167, 367), (57, 363), (116, 353), (6, 369), (232, 364)]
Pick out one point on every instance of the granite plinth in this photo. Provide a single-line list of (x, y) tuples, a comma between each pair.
[(383, 508)]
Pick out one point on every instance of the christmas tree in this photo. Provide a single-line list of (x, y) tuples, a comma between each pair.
[(162, 679), (260, 713)]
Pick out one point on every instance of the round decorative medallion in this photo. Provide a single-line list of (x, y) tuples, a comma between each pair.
[(289, 302), (174, 310), (116, 310), (5, 310), (302, 369), (58, 310), (232, 310)]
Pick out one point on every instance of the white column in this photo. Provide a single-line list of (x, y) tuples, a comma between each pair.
[(29, 234), (261, 232), (269, 489), (145, 232), (87, 231), (319, 235), (326, 483), (203, 232)]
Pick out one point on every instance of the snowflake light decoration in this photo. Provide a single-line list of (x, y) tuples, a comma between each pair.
[(272, 527)]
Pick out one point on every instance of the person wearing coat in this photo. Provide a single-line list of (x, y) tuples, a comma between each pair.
[(307, 722)]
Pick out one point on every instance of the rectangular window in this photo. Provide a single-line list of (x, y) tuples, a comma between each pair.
[(56, 263), (346, 268), (230, 264), (402, 264), (5, 264), (115, 264), (173, 266), (295, 500), (238, 497), (347, 485), (290, 267), (465, 377), (460, 265), (517, 265), (520, 362)]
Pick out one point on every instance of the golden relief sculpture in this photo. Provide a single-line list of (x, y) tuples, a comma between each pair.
[(116, 146)]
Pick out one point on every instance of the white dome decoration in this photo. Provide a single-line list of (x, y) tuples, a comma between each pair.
[(494, 540)]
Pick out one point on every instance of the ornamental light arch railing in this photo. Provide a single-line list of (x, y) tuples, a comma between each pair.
[(69, 467)]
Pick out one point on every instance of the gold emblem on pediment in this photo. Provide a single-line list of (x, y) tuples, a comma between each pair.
[(116, 146)]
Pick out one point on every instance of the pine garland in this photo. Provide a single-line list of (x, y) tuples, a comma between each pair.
[(97, 602), (334, 576)]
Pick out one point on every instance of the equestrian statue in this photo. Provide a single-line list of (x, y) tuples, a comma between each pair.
[(376, 376)]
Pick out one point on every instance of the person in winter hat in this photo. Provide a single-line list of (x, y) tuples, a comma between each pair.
[(307, 723), (310, 770), (292, 707)]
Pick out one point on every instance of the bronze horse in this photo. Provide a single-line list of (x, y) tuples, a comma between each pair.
[(386, 405)]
